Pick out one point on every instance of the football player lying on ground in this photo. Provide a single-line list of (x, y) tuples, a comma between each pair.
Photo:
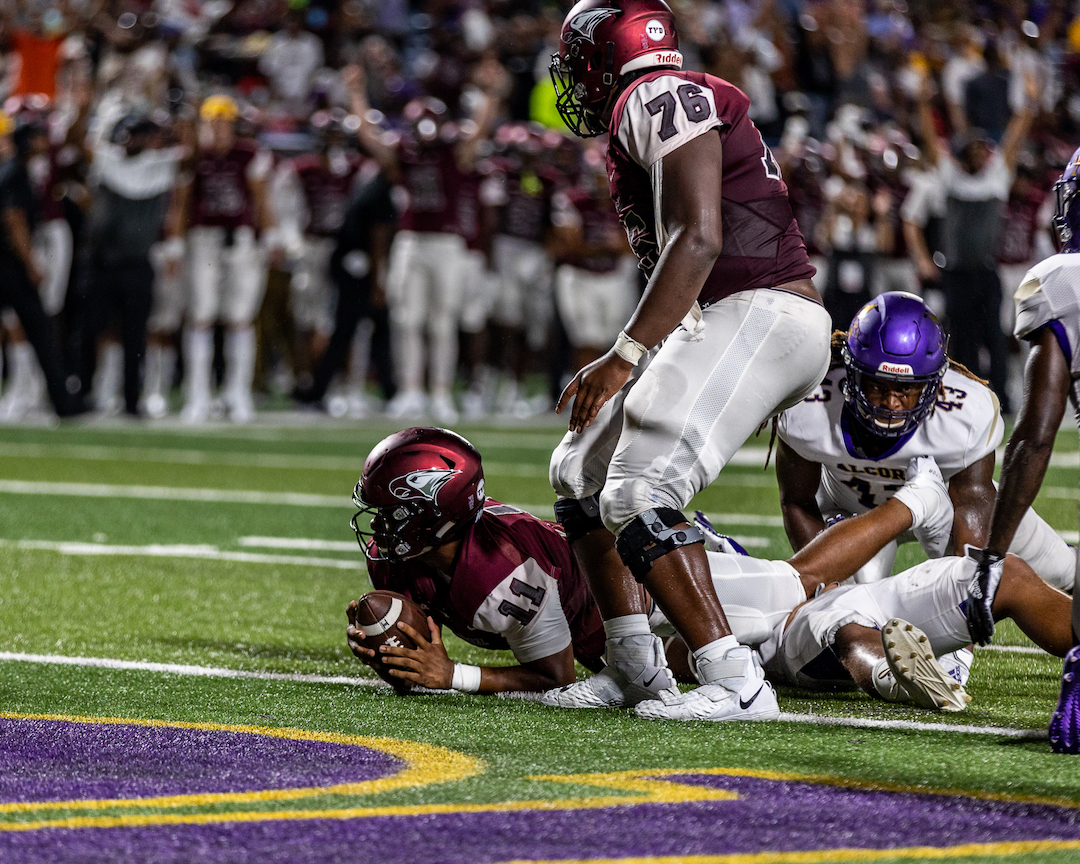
[(501, 578), (891, 394), (885, 635)]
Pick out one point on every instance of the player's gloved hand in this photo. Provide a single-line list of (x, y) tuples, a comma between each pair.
[(927, 497), (981, 593)]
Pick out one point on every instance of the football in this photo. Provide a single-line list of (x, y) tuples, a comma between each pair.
[(378, 614)]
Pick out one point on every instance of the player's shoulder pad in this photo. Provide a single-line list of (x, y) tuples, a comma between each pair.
[(978, 409), (659, 113)]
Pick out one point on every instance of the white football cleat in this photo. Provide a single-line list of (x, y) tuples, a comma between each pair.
[(442, 409), (636, 671), (714, 540), (742, 693), (908, 653)]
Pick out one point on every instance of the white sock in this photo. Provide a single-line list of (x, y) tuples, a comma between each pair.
[(109, 380), (22, 370), (709, 656), (198, 360), (886, 684), (239, 362), (627, 625), (443, 361), (160, 364), (409, 358)]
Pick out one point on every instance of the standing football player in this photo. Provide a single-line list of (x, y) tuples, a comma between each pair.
[(891, 395), (1048, 317), (730, 331), (226, 208)]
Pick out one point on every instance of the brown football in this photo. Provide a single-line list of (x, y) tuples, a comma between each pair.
[(378, 614)]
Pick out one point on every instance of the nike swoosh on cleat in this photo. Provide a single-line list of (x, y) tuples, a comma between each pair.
[(750, 701), (649, 682)]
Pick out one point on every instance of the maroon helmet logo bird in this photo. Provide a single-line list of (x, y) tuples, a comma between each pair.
[(421, 485)]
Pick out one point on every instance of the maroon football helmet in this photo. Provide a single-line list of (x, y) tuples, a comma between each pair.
[(601, 41), (422, 487)]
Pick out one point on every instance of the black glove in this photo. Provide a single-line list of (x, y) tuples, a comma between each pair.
[(981, 593)]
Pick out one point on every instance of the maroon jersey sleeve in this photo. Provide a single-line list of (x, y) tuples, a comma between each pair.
[(661, 112), (516, 584)]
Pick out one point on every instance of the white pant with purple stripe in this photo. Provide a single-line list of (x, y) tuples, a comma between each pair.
[(693, 401), (928, 596)]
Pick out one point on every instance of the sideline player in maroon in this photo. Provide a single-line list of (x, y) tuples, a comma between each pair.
[(729, 332)]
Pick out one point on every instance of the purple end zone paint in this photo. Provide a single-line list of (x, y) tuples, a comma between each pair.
[(768, 816), (51, 760)]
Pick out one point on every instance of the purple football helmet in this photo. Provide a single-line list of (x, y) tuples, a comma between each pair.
[(894, 339), (1067, 214)]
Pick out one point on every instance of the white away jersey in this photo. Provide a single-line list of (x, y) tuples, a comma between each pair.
[(1049, 295), (965, 426)]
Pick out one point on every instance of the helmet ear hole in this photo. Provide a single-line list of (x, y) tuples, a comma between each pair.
[(596, 59)]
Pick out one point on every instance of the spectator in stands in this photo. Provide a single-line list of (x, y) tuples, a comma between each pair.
[(975, 178)]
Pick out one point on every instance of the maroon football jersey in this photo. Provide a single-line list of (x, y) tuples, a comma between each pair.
[(220, 196), (469, 208), (656, 115), (432, 178), (597, 219), (525, 197), (327, 190), (1019, 225), (509, 564)]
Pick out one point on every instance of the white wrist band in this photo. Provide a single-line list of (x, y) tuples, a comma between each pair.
[(629, 348), (466, 678)]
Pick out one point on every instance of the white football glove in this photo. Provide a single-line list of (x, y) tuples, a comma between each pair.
[(927, 497)]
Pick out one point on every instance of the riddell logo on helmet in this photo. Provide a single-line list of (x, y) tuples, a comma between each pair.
[(895, 369), (424, 484)]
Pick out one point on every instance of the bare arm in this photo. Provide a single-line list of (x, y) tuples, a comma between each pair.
[(972, 493), (1012, 142), (798, 479), (839, 552), (1047, 382), (916, 243), (368, 134), (931, 145), (430, 666), (690, 210)]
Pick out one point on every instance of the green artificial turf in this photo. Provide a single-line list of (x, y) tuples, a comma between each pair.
[(289, 618)]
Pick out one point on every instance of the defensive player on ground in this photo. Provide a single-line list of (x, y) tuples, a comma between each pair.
[(729, 331), (1048, 316), (885, 635), (501, 578), (890, 395), (223, 209)]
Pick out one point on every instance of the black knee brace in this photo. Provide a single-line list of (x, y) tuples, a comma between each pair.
[(578, 518), (652, 535)]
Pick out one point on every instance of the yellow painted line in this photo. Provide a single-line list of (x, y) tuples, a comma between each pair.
[(821, 856), (425, 764)]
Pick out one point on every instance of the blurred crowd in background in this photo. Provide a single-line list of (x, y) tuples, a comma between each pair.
[(371, 206)]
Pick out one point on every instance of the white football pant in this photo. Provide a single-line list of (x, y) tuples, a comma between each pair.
[(693, 401), (524, 287), (424, 292), (594, 307)]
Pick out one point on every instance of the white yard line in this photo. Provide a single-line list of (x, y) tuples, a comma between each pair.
[(179, 456), (211, 553), (218, 672), (172, 493), (911, 725), (184, 669), (299, 543)]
